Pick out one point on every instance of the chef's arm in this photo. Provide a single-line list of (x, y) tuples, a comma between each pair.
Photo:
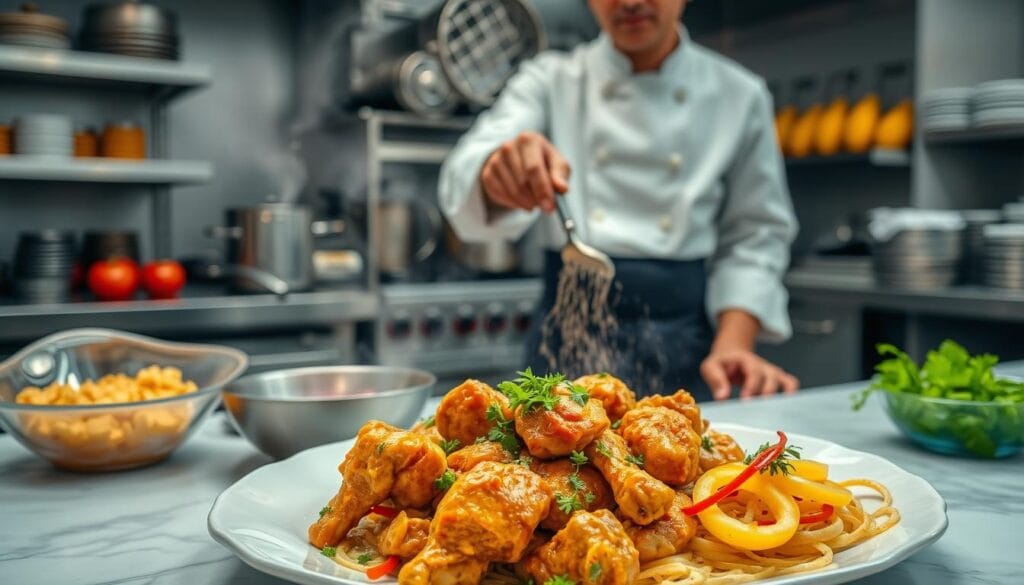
[(521, 107)]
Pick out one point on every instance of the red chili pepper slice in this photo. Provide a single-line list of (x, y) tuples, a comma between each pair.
[(386, 511), (824, 514), (759, 463), (385, 568)]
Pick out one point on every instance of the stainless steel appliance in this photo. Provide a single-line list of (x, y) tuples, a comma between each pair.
[(458, 330), (275, 238)]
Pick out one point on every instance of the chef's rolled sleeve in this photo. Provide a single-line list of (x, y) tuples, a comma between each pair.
[(756, 226), (522, 106)]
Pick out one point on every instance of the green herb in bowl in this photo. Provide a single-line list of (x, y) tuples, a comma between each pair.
[(953, 403)]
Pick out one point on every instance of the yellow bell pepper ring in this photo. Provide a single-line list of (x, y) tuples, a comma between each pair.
[(805, 489), (807, 469), (740, 534)]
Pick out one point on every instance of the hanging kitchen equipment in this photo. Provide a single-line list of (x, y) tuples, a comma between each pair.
[(273, 237), (413, 82), (480, 44)]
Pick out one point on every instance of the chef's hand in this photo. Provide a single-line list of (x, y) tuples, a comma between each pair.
[(525, 173), (732, 361)]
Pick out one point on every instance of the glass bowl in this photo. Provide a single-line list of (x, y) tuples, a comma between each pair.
[(958, 427), (110, 436)]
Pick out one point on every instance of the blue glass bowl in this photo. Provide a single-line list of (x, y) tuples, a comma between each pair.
[(957, 427)]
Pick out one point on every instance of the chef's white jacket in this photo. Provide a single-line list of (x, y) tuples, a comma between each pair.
[(680, 163)]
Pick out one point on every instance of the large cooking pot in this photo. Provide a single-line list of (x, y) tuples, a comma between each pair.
[(494, 256), (272, 237)]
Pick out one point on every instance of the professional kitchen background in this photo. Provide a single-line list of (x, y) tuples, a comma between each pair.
[(260, 104)]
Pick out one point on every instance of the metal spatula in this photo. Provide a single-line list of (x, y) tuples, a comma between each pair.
[(576, 252)]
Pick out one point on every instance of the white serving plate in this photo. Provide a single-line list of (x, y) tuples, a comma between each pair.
[(263, 517)]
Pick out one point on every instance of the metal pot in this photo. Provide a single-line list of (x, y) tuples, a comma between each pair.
[(492, 257), (273, 237), (396, 230)]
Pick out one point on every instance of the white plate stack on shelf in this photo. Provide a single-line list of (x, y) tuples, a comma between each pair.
[(1004, 256), (916, 249), (998, 103), (49, 135), (947, 108), (974, 241)]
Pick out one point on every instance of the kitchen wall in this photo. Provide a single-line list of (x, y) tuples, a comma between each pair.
[(239, 123)]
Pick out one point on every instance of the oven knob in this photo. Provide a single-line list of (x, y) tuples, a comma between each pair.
[(432, 324), (400, 326), (465, 321), (495, 323)]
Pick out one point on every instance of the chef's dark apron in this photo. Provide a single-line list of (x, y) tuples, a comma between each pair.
[(663, 333)]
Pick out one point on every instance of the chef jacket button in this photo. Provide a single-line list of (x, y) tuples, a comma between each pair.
[(598, 215), (665, 223), (675, 161), (601, 155), (680, 95)]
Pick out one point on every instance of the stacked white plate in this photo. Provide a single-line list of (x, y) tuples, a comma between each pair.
[(998, 103), (947, 108), (43, 135), (976, 221), (1004, 256), (1014, 212)]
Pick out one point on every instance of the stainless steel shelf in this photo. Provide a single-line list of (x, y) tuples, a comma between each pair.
[(203, 310), (413, 152), (158, 77), (1001, 133), (105, 170), (978, 302), (879, 157)]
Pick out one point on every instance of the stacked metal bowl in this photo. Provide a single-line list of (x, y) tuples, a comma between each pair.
[(1004, 256), (947, 108), (974, 242), (130, 28), (29, 28), (919, 259), (43, 264), (997, 103)]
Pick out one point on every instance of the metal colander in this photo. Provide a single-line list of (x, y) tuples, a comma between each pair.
[(480, 43)]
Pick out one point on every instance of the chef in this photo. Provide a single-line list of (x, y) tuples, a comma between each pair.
[(665, 155)]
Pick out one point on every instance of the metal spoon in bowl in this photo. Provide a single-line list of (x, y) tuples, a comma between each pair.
[(580, 254)]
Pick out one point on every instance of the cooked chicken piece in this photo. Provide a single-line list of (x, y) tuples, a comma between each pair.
[(666, 440), (462, 413), (427, 429), (594, 495), (567, 427), (682, 402), (613, 393), (640, 497), (404, 537), (665, 536), (724, 449), (488, 515), (364, 537), (592, 549), (385, 462), (474, 454)]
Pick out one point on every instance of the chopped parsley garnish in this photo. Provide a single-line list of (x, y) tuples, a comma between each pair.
[(525, 461), (450, 446), (568, 503), (588, 498), (595, 571), (504, 431), (560, 580), (603, 449), (530, 391), (637, 460), (578, 458), (325, 510), (706, 444), (616, 424), (576, 482), (579, 394), (603, 375), (329, 551), (526, 582), (445, 480), (364, 558), (428, 421), (781, 465), (380, 447)]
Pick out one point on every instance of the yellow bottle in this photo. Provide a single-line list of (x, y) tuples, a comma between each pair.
[(896, 128), (830, 128), (801, 138), (784, 120), (861, 124)]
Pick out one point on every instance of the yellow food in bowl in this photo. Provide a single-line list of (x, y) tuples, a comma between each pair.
[(118, 437)]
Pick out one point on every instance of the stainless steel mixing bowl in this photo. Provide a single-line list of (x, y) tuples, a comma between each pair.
[(286, 411)]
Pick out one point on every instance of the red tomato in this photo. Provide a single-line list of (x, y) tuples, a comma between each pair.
[(113, 280), (163, 279)]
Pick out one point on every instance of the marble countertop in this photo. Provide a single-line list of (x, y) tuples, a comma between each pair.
[(149, 525)]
